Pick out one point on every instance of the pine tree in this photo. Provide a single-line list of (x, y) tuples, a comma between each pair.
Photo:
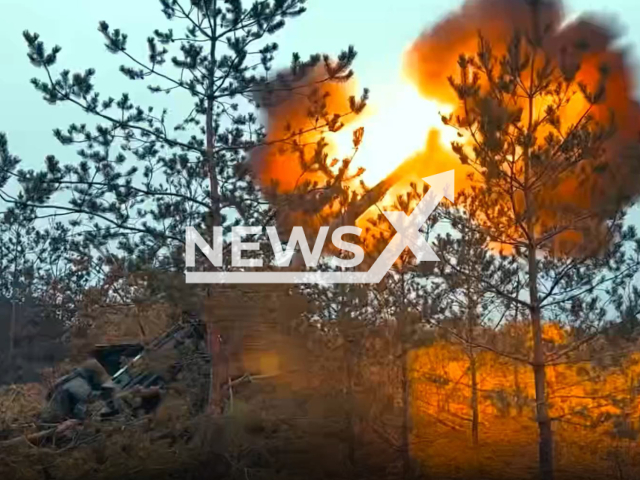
[(144, 174), (39, 277), (574, 259), (466, 308), (399, 301)]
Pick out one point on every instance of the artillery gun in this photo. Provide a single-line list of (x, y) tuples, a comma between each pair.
[(133, 375)]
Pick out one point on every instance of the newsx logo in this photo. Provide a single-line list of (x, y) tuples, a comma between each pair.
[(407, 235)]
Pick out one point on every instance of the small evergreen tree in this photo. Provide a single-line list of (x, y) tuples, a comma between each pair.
[(144, 173), (574, 259), (466, 307), (142, 178)]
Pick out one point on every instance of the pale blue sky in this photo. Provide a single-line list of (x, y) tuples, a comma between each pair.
[(379, 30)]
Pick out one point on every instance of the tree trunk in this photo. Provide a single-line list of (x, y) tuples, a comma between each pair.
[(406, 417), (14, 286), (211, 165), (473, 372), (213, 345), (12, 330), (518, 390), (350, 420), (215, 217), (545, 451), (404, 339), (475, 414)]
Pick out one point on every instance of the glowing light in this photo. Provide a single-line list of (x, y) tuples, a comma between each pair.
[(396, 126)]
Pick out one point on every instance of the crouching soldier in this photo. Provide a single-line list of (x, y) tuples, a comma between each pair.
[(70, 396)]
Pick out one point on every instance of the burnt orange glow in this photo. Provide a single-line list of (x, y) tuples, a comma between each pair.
[(580, 48), (408, 140), (588, 394)]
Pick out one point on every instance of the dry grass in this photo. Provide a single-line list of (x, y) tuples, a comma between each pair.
[(268, 437), (20, 405), (508, 450), (279, 431)]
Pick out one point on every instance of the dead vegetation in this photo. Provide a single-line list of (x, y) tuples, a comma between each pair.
[(298, 412)]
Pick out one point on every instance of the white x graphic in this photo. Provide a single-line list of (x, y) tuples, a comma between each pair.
[(408, 227)]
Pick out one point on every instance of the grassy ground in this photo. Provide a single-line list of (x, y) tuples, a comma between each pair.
[(263, 440), (508, 450)]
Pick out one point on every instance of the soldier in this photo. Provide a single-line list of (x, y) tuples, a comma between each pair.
[(69, 397)]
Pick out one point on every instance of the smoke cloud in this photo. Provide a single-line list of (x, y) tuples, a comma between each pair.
[(581, 49)]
